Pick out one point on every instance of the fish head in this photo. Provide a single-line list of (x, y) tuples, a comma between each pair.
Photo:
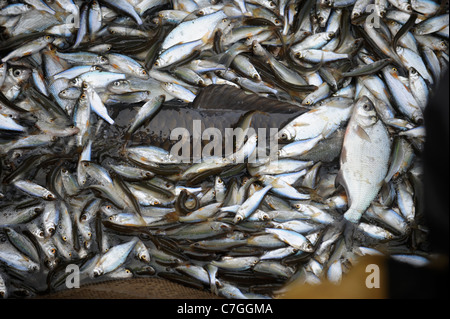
[(97, 272), (417, 116), (218, 181), (406, 7), (33, 267), (49, 38), (69, 94), (76, 82), (258, 50), (19, 74), (142, 74), (286, 134), (120, 86), (237, 218), (355, 14), (102, 60), (413, 74), (307, 102), (365, 112), (330, 35), (49, 229), (443, 45)]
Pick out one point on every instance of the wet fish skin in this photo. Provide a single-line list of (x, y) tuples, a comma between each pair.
[(359, 163), (112, 259), (108, 189)]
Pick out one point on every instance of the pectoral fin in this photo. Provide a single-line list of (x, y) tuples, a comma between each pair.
[(362, 133)]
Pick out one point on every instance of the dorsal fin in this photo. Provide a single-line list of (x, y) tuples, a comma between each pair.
[(226, 97)]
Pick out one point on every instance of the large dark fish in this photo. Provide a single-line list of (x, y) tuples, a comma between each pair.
[(218, 106)]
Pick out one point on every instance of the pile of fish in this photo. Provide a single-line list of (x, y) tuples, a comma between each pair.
[(91, 91)]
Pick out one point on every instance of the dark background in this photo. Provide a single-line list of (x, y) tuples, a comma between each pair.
[(431, 282)]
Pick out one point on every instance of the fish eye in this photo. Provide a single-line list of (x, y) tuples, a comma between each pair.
[(283, 136), (64, 238), (41, 234), (111, 218), (143, 72), (17, 72), (408, 7), (48, 37), (127, 271), (53, 251), (103, 59), (272, 4), (308, 102), (355, 14), (224, 20), (116, 83), (200, 13), (83, 96), (108, 207), (83, 217), (394, 69), (367, 107), (50, 196), (85, 85), (277, 21), (156, 63)]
